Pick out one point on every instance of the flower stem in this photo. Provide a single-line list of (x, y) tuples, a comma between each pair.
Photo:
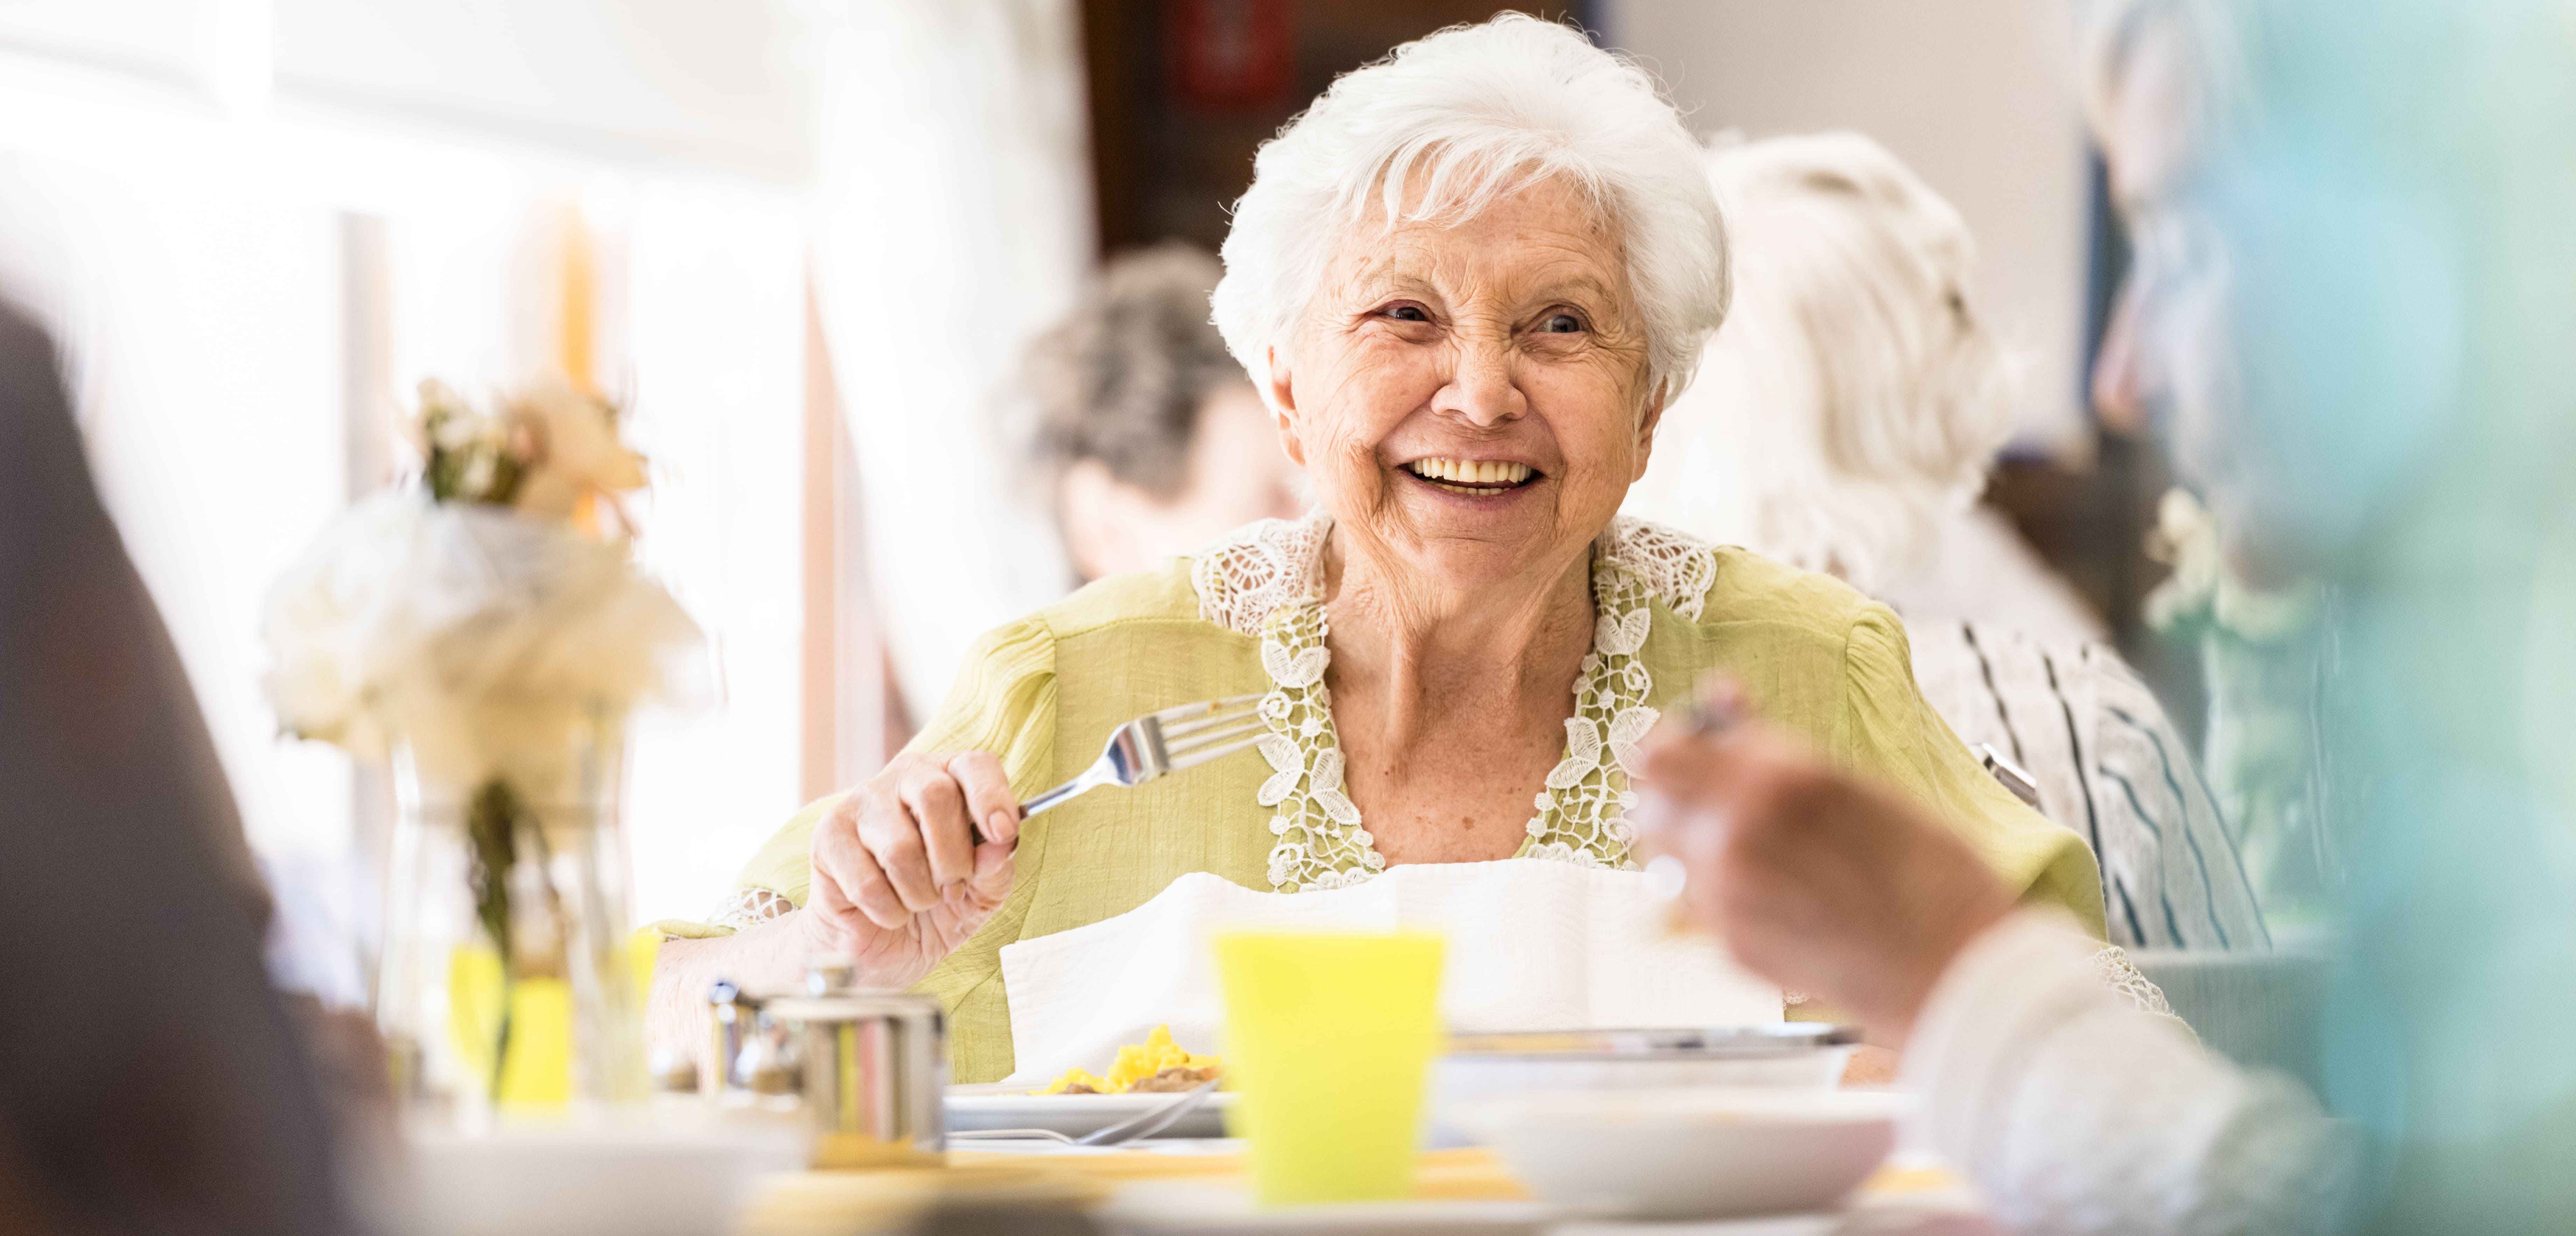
[(492, 830)]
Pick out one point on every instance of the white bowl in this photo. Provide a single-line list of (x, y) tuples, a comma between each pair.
[(645, 1179), (1464, 1079), (1468, 1079), (1686, 1154)]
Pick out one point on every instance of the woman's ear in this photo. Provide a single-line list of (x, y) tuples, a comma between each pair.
[(1281, 387)]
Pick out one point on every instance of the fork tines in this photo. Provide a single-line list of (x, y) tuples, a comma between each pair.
[(1160, 742), (1196, 733)]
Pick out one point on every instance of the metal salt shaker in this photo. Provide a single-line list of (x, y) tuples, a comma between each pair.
[(875, 1069)]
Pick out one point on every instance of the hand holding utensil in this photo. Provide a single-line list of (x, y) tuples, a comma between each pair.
[(1815, 880), (909, 865)]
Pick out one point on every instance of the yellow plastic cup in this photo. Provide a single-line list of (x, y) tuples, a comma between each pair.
[(1328, 1037)]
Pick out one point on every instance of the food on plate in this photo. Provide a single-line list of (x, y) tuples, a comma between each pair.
[(1156, 1066)]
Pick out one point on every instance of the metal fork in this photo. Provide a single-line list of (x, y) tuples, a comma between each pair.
[(1161, 742), (1134, 1128), (1138, 1128)]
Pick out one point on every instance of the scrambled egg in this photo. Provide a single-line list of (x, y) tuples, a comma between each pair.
[(1157, 1064)]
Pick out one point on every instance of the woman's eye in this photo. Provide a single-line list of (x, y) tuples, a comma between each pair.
[(1407, 313), (1562, 324)]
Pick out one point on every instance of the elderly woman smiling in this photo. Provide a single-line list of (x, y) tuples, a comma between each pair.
[(1466, 282)]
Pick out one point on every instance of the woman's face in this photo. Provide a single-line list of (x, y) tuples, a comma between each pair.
[(1473, 397), (1236, 475)]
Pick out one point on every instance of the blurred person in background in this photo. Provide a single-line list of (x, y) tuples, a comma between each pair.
[(2355, 291), (150, 1078), (1148, 434), (1465, 282), (1843, 420)]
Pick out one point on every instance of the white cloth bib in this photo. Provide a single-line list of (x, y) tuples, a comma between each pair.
[(1532, 945)]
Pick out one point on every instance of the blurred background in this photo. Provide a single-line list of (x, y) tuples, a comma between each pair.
[(807, 244)]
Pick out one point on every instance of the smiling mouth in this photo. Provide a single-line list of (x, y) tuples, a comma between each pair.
[(1473, 476)]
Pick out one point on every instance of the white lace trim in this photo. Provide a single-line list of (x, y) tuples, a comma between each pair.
[(1320, 841), (1677, 567), (1266, 581), (1258, 568), (750, 906), (2117, 972)]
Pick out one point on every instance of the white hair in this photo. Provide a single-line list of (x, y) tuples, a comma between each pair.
[(1854, 397), (1454, 121)]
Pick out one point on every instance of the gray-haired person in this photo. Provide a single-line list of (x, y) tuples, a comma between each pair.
[(1148, 431), (1844, 420)]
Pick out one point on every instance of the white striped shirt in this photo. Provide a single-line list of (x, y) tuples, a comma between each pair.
[(2110, 766)]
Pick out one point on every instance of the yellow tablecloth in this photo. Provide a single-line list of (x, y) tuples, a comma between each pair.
[(843, 1203)]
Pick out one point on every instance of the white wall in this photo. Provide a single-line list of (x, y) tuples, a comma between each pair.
[(1975, 94), (953, 224), (174, 175), (688, 84)]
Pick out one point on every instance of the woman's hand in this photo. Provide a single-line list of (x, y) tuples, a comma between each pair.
[(899, 877), (1815, 881)]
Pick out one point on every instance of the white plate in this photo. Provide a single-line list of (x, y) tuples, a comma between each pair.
[(994, 1105)]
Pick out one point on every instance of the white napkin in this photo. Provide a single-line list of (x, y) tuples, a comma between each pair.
[(1533, 944)]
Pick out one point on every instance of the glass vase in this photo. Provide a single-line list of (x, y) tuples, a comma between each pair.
[(508, 981)]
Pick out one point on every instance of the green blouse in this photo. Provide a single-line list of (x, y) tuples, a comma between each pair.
[(1244, 617)]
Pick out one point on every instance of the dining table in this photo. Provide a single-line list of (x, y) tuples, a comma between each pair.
[(1199, 1187)]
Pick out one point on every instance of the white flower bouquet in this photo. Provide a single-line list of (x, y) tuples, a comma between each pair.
[(469, 614), (484, 627)]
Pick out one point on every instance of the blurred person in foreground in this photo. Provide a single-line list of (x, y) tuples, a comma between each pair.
[(150, 1079), (1465, 282), (2356, 291), (2160, 80), (1844, 420), (1149, 436)]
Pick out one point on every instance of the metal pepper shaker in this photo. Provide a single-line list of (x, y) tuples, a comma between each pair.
[(732, 1019)]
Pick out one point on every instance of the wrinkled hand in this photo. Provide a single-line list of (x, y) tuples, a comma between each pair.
[(1814, 880), (899, 879)]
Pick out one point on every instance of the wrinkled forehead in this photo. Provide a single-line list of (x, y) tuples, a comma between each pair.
[(1437, 183), (1531, 234)]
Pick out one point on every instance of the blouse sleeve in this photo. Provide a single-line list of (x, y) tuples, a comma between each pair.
[(1003, 702), (1887, 730), (2075, 1112)]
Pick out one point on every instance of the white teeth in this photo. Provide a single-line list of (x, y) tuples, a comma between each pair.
[(1471, 472)]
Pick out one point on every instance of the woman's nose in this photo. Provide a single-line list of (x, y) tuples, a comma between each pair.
[(1481, 390)]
